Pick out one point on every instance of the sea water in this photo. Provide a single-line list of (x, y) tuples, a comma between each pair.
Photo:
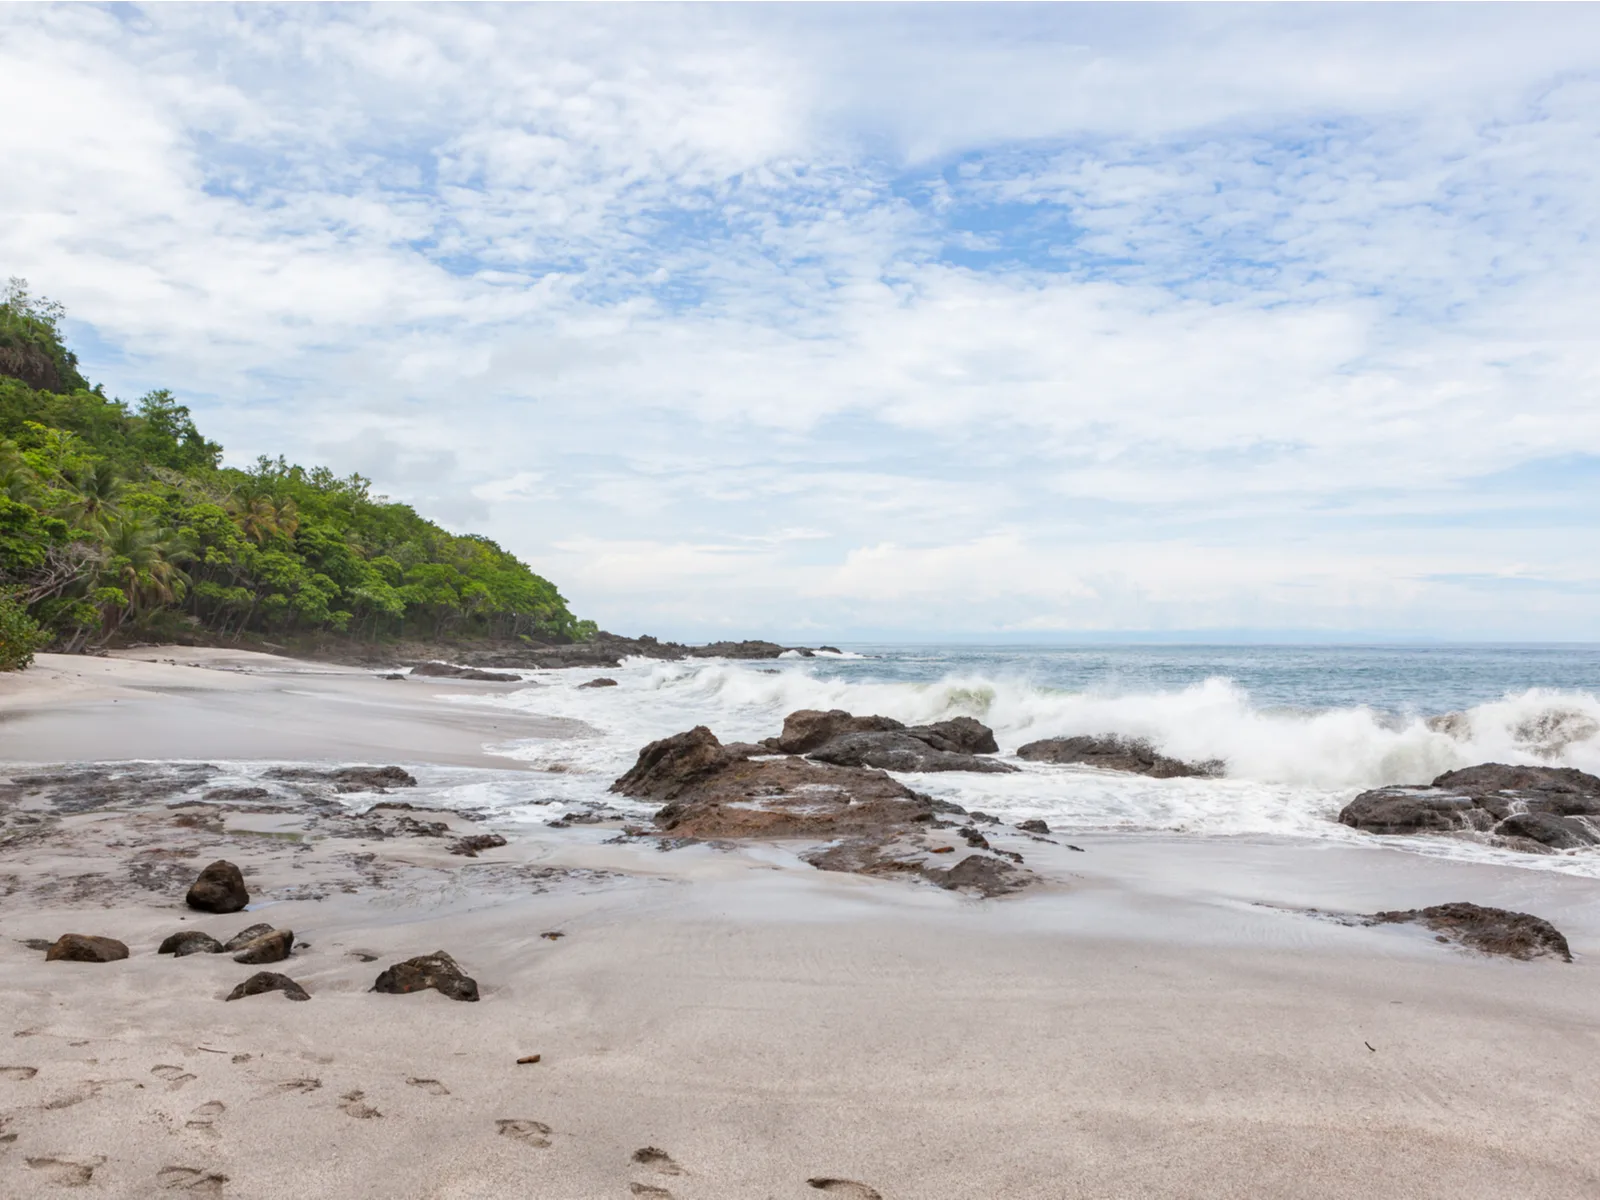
[(1300, 729)]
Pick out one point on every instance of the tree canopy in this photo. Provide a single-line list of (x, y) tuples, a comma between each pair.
[(119, 520)]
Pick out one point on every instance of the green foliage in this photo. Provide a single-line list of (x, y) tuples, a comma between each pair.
[(20, 635), (112, 516)]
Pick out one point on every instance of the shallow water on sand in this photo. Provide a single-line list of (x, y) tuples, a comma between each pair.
[(1301, 729)]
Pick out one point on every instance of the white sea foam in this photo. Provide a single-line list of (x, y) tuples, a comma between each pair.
[(1288, 772)]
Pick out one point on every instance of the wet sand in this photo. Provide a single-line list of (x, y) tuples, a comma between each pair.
[(1161, 1019)]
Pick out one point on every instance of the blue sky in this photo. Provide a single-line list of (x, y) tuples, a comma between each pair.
[(871, 321)]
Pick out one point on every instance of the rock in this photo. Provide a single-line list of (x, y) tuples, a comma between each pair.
[(219, 889), (959, 735), (437, 970), (599, 683), (1520, 807), (982, 874), (245, 936), (1490, 930), (83, 947), (347, 779), (1033, 826), (807, 728), (269, 981), (665, 769), (268, 948), (190, 941), (974, 838), (469, 846), (829, 650), (447, 671), (900, 750), (1112, 753), (740, 650), (977, 872)]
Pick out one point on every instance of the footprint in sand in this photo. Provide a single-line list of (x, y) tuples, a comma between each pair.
[(351, 1103), (64, 1172), (202, 1117), (534, 1133), (91, 1089), (650, 1191), (176, 1077), (432, 1086), (657, 1160), (848, 1188), (18, 1073), (300, 1085), (191, 1179)]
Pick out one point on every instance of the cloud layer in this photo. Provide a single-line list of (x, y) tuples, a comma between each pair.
[(896, 320)]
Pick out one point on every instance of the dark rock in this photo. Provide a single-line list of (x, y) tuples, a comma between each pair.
[(1033, 826), (974, 838), (392, 675), (245, 936), (269, 981), (1111, 753), (900, 751), (219, 889), (1491, 930), (982, 874), (948, 806), (976, 872), (959, 735), (437, 970), (665, 769), (599, 683), (469, 846), (268, 948), (830, 649), (190, 941), (347, 779), (740, 650), (1519, 807), (447, 671), (83, 947), (807, 728)]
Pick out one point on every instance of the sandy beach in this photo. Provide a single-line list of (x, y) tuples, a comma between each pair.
[(1161, 1017)]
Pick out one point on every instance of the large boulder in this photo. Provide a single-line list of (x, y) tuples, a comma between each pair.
[(84, 947), (1113, 753), (437, 971), (958, 735), (1522, 807), (190, 941), (268, 981), (900, 750), (268, 948), (218, 889), (1490, 930), (667, 768), (807, 728)]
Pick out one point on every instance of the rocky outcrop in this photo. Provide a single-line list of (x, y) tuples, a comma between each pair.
[(806, 729), (218, 889), (437, 971), (1489, 930), (667, 768), (1112, 753), (1033, 826), (270, 947), (190, 941), (348, 779), (1528, 808), (846, 740), (444, 670), (245, 936), (268, 981), (900, 751), (983, 874), (602, 682), (84, 947), (469, 846)]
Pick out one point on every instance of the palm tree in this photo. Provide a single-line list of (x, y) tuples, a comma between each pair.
[(96, 494), (17, 480), (259, 515), (142, 560)]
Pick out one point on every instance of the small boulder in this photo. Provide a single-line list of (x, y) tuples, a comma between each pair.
[(218, 889), (268, 948), (982, 874), (1112, 753), (245, 936), (807, 728), (599, 683), (668, 767), (83, 947), (190, 941), (1033, 826), (958, 735), (1490, 930), (469, 846), (437, 971), (268, 981), (900, 750)]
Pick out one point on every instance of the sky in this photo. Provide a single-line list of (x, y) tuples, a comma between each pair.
[(891, 321)]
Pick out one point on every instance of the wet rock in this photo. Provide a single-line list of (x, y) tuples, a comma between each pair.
[(190, 941), (1553, 807), (741, 650), (469, 846), (671, 766), (1033, 826), (448, 671), (269, 981), (906, 859), (959, 735), (437, 971), (982, 874), (974, 838), (808, 728), (1490, 930), (245, 936), (84, 947), (602, 682), (219, 889), (347, 779), (268, 948), (1112, 753), (900, 750)]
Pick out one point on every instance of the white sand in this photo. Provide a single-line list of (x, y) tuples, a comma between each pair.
[(1146, 1026)]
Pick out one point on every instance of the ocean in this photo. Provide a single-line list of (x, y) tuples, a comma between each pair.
[(1301, 729)]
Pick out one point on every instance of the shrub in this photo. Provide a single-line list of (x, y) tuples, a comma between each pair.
[(19, 635)]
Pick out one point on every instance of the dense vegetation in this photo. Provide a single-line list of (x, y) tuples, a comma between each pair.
[(117, 521)]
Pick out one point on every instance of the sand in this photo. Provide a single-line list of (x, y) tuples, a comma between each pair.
[(1162, 1019)]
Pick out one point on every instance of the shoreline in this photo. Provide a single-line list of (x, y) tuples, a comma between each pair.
[(1161, 1017)]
